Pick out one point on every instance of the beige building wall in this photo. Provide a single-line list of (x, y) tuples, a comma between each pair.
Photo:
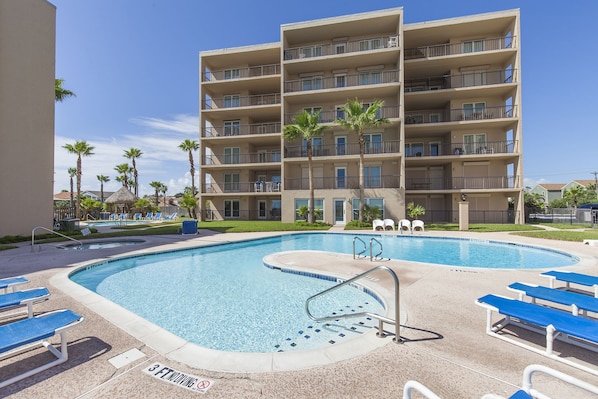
[(27, 73)]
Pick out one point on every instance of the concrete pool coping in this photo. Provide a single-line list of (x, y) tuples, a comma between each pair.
[(446, 347)]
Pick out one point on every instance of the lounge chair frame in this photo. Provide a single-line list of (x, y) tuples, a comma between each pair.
[(528, 314), (61, 354), (18, 299)]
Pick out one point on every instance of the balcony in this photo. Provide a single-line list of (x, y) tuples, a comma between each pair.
[(469, 47), (328, 49), (238, 159), (342, 183), (363, 79), (458, 115), (242, 187), (385, 147), (229, 102), (472, 79), (460, 183), (485, 148), (242, 130), (388, 112), (241, 73)]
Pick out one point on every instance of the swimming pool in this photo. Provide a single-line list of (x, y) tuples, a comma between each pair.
[(222, 297), (102, 244)]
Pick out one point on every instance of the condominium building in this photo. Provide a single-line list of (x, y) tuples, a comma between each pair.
[(452, 97), (27, 72)]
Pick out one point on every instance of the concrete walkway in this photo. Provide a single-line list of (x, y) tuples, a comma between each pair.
[(445, 345)]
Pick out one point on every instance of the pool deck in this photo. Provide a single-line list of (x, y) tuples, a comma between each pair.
[(446, 347)]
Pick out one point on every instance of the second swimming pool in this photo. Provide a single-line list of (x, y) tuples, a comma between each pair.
[(222, 297)]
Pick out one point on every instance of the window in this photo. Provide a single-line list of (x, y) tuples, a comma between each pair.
[(275, 156), (316, 146), (378, 112), (341, 177), (314, 110), (435, 118), (473, 46), (232, 155), (232, 128), (371, 202), (340, 112), (318, 208), (372, 176), (475, 143), (340, 48), (341, 144), (373, 143), (340, 80), (370, 78), (313, 83), (434, 149), (231, 182), (308, 52), (275, 208), (262, 156), (473, 110), (231, 101), (231, 208), (414, 149), (370, 44), (474, 78), (232, 74)]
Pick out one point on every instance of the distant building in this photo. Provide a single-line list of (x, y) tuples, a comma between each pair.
[(451, 90), (556, 191), (27, 74)]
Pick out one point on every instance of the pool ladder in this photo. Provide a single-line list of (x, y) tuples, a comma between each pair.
[(49, 231), (372, 256), (381, 319)]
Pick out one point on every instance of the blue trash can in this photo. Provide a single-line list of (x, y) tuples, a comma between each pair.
[(189, 227)]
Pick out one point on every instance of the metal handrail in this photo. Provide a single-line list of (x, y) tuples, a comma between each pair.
[(372, 240), (356, 256), (51, 231), (381, 319)]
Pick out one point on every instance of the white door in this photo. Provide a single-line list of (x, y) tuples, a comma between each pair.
[(339, 211)]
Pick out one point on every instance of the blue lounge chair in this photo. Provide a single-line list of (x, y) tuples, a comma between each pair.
[(576, 301), (171, 216), (570, 277), (149, 216), (12, 282), (158, 216), (22, 298), (527, 390), (137, 216), (553, 323), (22, 335)]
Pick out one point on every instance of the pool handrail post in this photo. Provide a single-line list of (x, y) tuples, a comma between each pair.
[(51, 231)]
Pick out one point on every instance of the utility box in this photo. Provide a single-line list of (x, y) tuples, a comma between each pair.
[(189, 227), (71, 224)]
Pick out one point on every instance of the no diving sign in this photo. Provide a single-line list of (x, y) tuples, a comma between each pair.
[(184, 380)]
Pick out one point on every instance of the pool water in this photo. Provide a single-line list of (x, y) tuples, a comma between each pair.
[(223, 297), (102, 244)]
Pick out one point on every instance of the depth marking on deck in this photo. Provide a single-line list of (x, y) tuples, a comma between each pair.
[(178, 378)]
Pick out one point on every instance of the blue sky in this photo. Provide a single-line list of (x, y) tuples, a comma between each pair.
[(133, 65)]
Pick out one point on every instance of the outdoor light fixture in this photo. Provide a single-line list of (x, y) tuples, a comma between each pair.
[(463, 197)]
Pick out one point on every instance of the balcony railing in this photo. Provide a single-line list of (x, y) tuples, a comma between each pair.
[(385, 147), (459, 114), (460, 183), (342, 183), (340, 48), (236, 159), (467, 47), (472, 79), (482, 148), (363, 79), (241, 101), (242, 130), (243, 187), (388, 112), (241, 73)]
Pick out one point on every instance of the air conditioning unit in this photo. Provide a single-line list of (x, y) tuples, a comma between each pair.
[(393, 41)]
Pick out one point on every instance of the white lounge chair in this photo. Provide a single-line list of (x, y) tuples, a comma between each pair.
[(389, 224), (377, 224), (23, 335), (22, 298), (417, 225), (405, 226), (527, 390)]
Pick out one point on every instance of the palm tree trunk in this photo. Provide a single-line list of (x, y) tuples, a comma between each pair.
[(136, 177), (310, 173), (361, 174), (78, 207)]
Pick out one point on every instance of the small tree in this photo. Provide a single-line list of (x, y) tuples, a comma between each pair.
[(190, 202), (371, 212), (303, 212), (414, 210)]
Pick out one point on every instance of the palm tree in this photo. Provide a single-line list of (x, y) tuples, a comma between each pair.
[(102, 179), (82, 149), (164, 189), (124, 170), (133, 154), (157, 186), (190, 146), (72, 173), (306, 126), (60, 93), (357, 119)]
